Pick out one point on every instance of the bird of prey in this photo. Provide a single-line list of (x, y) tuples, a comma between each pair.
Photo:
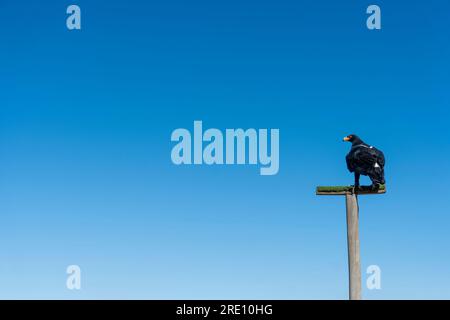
[(366, 160)]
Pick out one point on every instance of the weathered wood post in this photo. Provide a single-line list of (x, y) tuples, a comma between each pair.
[(354, 261), (352, 208)]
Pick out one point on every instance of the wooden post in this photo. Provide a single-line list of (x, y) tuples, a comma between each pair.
[(354, 261), (351, 203)]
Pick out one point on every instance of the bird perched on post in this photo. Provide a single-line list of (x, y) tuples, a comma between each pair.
[(366, 160)]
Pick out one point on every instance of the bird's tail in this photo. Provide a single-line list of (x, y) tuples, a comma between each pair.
[(377, 176)]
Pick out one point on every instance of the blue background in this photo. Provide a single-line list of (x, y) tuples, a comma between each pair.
[(85, 170)]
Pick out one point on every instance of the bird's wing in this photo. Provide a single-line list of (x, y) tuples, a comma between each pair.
[(365, 157), (380, 158)]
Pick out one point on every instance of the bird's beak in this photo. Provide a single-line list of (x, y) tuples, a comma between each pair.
[(346, 139)]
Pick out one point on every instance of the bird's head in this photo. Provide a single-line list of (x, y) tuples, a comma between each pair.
[(353, 138)]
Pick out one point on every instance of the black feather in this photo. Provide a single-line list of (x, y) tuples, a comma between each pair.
[(366, 160)]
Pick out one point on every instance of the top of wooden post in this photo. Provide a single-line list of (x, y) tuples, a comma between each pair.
[(344, 190)]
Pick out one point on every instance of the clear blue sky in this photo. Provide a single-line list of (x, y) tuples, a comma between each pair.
[(85, 170)]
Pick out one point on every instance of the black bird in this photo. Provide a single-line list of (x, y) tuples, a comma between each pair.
[(366, 160)]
